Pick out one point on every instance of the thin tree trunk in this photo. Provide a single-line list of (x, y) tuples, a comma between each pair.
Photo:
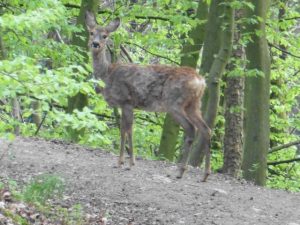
[(36, 117), (234, 94), (2, 50), (190, 56), (16, 113), (212, 42), (80, 100), (212, 38), (210, 49), (257, 96), (233, 126), (213, 81)]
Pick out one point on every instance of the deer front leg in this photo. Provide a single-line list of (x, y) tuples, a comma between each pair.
[(126, 128), (203, 130), (122, 150), (130, 150)]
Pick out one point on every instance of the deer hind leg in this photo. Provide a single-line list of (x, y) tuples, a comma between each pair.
[(194, 115), (190, 131), (123, 142), (126, 134)]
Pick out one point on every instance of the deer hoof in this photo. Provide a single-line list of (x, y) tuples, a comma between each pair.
[(205, 177), (120, 163), (132, 162), (181, 172)]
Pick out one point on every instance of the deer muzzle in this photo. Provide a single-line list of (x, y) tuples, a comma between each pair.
[(95, 45)]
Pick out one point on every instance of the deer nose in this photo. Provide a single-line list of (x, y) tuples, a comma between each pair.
[(95, 44)]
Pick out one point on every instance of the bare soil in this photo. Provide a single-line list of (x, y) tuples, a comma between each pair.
[(149, 193)]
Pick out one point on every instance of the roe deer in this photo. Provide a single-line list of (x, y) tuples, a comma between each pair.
[(155, 88)]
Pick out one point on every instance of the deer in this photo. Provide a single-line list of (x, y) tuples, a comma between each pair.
[(153, 88)]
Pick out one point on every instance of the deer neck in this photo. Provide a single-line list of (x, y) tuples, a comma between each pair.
[(100, 64)]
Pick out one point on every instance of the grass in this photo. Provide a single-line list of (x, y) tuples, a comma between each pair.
[(42, 188)]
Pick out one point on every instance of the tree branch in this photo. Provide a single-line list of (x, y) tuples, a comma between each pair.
[(69, 5), (284, 51), (73, 6), (126, 53), (152, 18), (41, 123), (155, 54), (55, 105), (292, 18), (283, 161), (277, 148), (298, 71)]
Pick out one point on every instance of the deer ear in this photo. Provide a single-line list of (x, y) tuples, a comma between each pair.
[(113, 25), (90, 20)]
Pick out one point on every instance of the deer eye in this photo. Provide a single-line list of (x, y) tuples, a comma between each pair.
[(104, 36), (91, 33)]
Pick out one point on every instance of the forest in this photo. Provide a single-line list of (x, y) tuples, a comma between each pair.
[(247, 50)]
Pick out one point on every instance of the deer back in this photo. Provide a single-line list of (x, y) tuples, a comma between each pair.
[(152, 88)]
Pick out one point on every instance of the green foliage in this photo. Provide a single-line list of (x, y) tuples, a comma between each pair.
[(15, 217), (285, 92), (39, 64), (43, 188)]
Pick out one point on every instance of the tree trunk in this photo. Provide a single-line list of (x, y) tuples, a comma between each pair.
[(257, 96), (80, 100), (36, 117), (212, 32), (234, 94), (16, 114), (213, 81), (190, 56), (2, 50), (233, 126)]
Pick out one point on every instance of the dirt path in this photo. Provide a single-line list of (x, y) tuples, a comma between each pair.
[(149, 193)]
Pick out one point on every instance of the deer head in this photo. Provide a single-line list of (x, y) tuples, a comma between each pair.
[(98, 34)]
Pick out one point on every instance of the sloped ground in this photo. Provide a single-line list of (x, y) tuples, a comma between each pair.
[(149, 193)]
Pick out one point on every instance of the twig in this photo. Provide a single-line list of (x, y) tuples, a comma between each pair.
[(41, 123), (96, 114), (274, 172), (12, 77), (126, 53), (155, 54), (59, 36), (277, 148), (283, 161), (298, 71)]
